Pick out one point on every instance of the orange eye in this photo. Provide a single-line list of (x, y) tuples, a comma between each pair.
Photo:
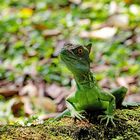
[(80, 51)]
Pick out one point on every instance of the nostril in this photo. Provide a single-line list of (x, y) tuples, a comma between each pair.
[(70, 51)]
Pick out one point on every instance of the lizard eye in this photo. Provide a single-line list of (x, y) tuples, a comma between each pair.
[(80, 51)]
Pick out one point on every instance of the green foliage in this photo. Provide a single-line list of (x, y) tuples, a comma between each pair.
[(23, 41), (32, 33)]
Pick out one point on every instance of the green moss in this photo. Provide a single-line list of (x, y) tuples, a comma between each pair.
[(127, 127)]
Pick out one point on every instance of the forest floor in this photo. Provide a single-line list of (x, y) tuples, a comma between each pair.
[(127, 127)]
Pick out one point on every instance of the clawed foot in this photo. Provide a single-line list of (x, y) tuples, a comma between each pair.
[(76, 114), (108, 118)]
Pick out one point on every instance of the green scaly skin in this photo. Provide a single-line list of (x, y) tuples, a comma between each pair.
[(89, 96)]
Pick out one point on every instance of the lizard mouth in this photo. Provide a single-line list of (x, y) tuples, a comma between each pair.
[(67, 58), (67, 55)]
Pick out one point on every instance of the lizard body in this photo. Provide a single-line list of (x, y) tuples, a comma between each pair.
[(89, 96)]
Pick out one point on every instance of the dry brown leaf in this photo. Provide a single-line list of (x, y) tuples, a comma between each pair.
[(100, 68), (103, 33), (59, 94), (133, 98), (113, 7), (75, 1), (4, 83), (122, 81), (27, 105), (87, 4), (84, 22), (105, 83), (61, 106), (54, 90), (45, 103), (58, 47), (47, 116), (118, 20), (29, 89), (124, 69), (138, 39), (9, 90), (40, 27), (51, 32), (135, 54), (131, 80), (127, 81), (133, 89)]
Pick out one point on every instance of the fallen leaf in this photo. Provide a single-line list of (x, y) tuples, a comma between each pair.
[(133, 89), (104, 33), (47, 116), (9, 90), (51, 32), (86, 4), (122, 82), (133, 98), (124, 69), (27, 105), (4, 83), (61, 106), (59, 94), (100, 68), (75, 1), (54, 91), (131, 79), (82, 22), (135, 54), (45, 103), (29, 89), (138, 39), (58, 47), (113, 7), (118, 20), (107, 84), (40, 27)]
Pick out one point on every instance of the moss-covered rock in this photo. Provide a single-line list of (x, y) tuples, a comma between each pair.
[(127, 127)]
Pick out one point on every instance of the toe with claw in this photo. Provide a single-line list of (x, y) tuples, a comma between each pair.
[(76, 114), (108, 118)]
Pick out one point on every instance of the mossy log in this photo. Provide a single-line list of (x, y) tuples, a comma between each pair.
[(127, 128)]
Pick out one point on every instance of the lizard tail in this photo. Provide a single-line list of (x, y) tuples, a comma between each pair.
[(64, 113)]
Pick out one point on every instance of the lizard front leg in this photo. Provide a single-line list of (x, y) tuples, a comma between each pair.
[(72, 106), (105, 96), (74, 113)]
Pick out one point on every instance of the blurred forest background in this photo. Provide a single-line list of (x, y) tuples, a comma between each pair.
[(33, 80)]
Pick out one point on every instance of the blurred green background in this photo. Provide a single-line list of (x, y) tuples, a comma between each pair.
[(32, 33)]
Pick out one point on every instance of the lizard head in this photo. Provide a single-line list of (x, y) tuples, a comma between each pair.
[(76, 57)]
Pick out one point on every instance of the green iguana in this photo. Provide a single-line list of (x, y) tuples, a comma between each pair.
[(89, 96)]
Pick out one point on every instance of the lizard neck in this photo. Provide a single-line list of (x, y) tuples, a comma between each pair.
[(85, 80)]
